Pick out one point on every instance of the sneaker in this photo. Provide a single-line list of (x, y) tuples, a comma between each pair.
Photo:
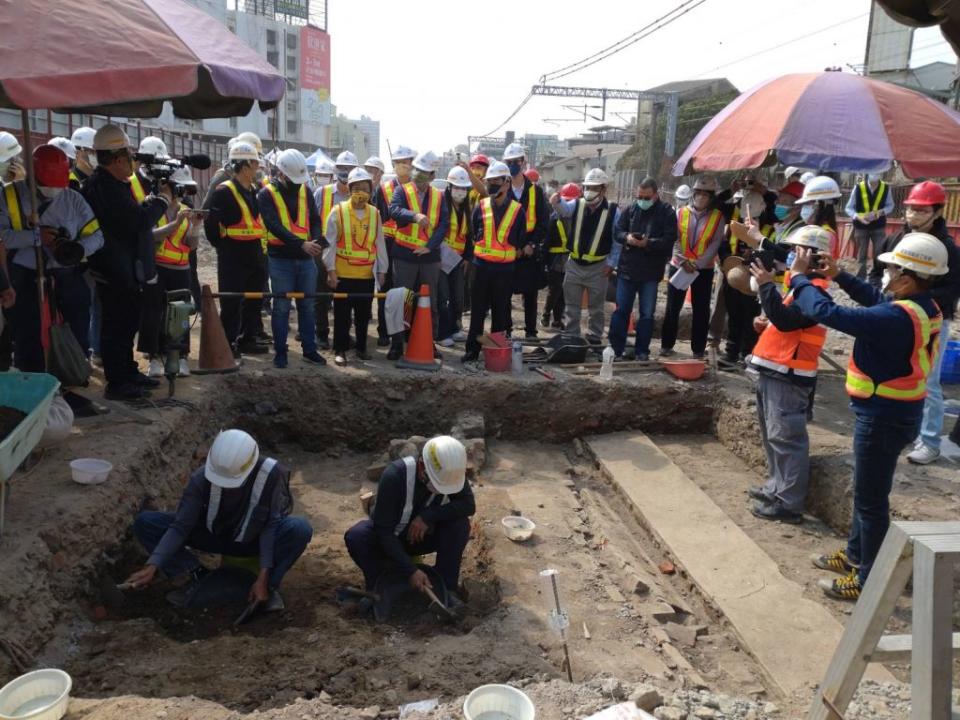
[(447, 342), (557, 325), (383, 341), (923, 455), (776, 511), (156, 368), (274, 603), (363, 355), (531, 337), (339, 360), (845, 588), (314, 357), (459, 336), (667, 352), (395, 353), (642, 357), (280, 361), (184, 370), (144, 381), (248, 347), (756, 492), (837, 562)]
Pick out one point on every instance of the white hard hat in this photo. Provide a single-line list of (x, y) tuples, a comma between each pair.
[(110, 137), (807, 177), (403, 153), (347, 158), (820, 188), (705, 183), (922, 253), (595, 177), (83, 137), (458, 177), (790, 171), (293, 165), (497, 169), (252, 138), (374, 162), (325, 167), (359, 174), (231, 458), (445, 459), (241, 150), (426, 161), (182, 176), (153, 146), (440, 184), (811, 236), (68, 148), (683, 192), (9, 146), (513, 151), (270, 158)]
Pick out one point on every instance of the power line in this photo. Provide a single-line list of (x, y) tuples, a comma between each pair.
[(511, 116)]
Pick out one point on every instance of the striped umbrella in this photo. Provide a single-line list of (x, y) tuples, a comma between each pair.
[(830, 122)]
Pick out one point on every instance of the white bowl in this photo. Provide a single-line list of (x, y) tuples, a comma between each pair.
[(90, 471), (38, 695), (518, 528), (498, 702)]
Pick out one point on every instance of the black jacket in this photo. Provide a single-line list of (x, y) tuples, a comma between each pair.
[(225, 211), (517, 236), (659, 226), (126, 258), (292, 247)]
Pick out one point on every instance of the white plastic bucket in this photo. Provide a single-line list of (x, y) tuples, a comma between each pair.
[(38, 695), (498, 702), (90, 471)]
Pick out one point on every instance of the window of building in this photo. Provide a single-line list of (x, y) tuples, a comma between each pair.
[(271, 37), (291, 62), (271, 126), (291, 41), (233, 123), (291, 127), (273, 57)]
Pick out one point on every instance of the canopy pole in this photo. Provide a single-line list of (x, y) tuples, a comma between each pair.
[(34, 220)]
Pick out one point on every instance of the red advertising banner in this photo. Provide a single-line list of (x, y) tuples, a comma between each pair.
[(315, 61)]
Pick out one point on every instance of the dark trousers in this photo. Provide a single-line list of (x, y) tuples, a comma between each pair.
[(447, 539), (359, 309), (877, 443), (741, 311), (627, 290), (120, 320), (863, 238), (293, 536), (322, 308), (526, 283), (195, 290), (700, 290), (555, 302), (153, 310), (70, 297), (450, 300), (491, 289), (240, 271)]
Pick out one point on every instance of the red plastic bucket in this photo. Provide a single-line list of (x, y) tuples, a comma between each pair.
[(497, 359)]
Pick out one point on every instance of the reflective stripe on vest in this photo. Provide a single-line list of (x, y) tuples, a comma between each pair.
[(348, 246), (411, 466), (139, 194), (302, 227), (389, 225), (326, 203), (796, 351), (457, 233), (864, 204), (172, 251), (258, 484), (532, 209), (562, 230), (692, 252), (495, 246), (248, 229), (912, 387), (574, 246), (413, 236), (13, 206)]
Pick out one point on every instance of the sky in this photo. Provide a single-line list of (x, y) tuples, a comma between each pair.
[(466, 66)]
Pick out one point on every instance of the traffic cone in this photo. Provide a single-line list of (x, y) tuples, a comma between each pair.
[(215, 353), (688, 298), (419, 355)]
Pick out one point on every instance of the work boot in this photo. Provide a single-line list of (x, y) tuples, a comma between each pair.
[(274, 603), (776, 511), (280, 361), (396, 351), (363, 355), (845, 588), (314, 357), (667, 352), (125, 391), (923, 454), (756, 492), (144, 381), (252, 347), (470, 356), (383, 340), (837, 562)]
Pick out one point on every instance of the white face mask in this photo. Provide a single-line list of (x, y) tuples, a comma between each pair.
[(458, 194), (807, 212), (591, 195), (889, 276), (873, 179), (92, 159), (49, 192)]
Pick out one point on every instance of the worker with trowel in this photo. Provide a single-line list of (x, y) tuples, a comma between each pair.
[(423, 505), (237, 505)]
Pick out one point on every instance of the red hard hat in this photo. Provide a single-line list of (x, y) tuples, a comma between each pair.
[(51, 167), (926, 193), (570, 191), (479, 159), (532, 175), (794, 188)]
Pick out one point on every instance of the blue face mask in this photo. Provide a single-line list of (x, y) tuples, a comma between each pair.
[(644, 204), (514, 166), (781, 211)]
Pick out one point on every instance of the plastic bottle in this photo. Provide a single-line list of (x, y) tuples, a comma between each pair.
[(606, 369), (516, 358)]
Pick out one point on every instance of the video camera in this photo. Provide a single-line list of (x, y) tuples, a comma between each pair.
[(159, 168)]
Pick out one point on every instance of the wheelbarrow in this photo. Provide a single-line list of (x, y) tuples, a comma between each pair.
[(30, 393)]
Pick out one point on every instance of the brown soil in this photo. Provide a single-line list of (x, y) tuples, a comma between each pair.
[(9, 419)]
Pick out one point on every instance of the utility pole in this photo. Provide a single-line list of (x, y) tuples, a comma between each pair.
[(651, 146)]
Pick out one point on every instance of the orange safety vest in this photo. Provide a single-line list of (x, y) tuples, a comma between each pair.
[(796, 351), (912, 387), (173, 251), (249, 228), (353, 249), (139, 194), (300, 228), (692, 251), (413, 236), (389, 225), (326, 203), (457, 232), (495, 246)]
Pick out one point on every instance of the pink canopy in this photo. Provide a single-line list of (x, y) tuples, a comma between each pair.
[(125, 57)]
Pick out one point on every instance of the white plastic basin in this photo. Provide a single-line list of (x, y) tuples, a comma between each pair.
[(518, 528), (38, 695), (90, 471), (498, 702)]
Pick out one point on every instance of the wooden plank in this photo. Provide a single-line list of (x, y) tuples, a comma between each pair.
[(932, 657), (897, 648)]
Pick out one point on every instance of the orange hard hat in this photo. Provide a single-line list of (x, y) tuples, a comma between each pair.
[(51, 167), (532, 175), (926, 193), (570, 191)]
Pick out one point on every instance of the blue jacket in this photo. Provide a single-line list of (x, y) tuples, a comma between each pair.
[(400, 211), (882, 331)]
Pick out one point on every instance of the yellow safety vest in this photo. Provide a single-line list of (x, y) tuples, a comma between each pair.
[(249, 228), (139, 194), (562, 248), (356, 249), (695, 249), (326, 204), (172, 250), (302, 226), (574, 243), (413, 236), (13, 206), (495, 246), (457, 232)]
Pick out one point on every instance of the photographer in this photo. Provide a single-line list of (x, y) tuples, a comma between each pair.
[(69, 232), (125, 261)]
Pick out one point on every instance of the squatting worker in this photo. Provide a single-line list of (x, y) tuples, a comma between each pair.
[(423, 505), (294, 239), (894, 341), (785, 360), (238, 504)]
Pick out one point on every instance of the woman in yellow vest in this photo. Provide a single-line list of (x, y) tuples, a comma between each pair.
[(356, 262), (450, 285)]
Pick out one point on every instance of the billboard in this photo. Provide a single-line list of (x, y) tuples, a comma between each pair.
[(292, 8), (315, 61)]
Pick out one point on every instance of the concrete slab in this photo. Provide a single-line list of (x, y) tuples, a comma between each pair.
[(793, 638)]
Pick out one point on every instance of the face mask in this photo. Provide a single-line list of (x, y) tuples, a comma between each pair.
[(360, 197), (644, 204), (458, 194), (323, 179), (916, 220), (781, 211), (493, 189), (92, 159), (50, 192), (807, 212), (343, 176), (591, 195), (4, 168), (514, 166), (889, 277), (421, 178)]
